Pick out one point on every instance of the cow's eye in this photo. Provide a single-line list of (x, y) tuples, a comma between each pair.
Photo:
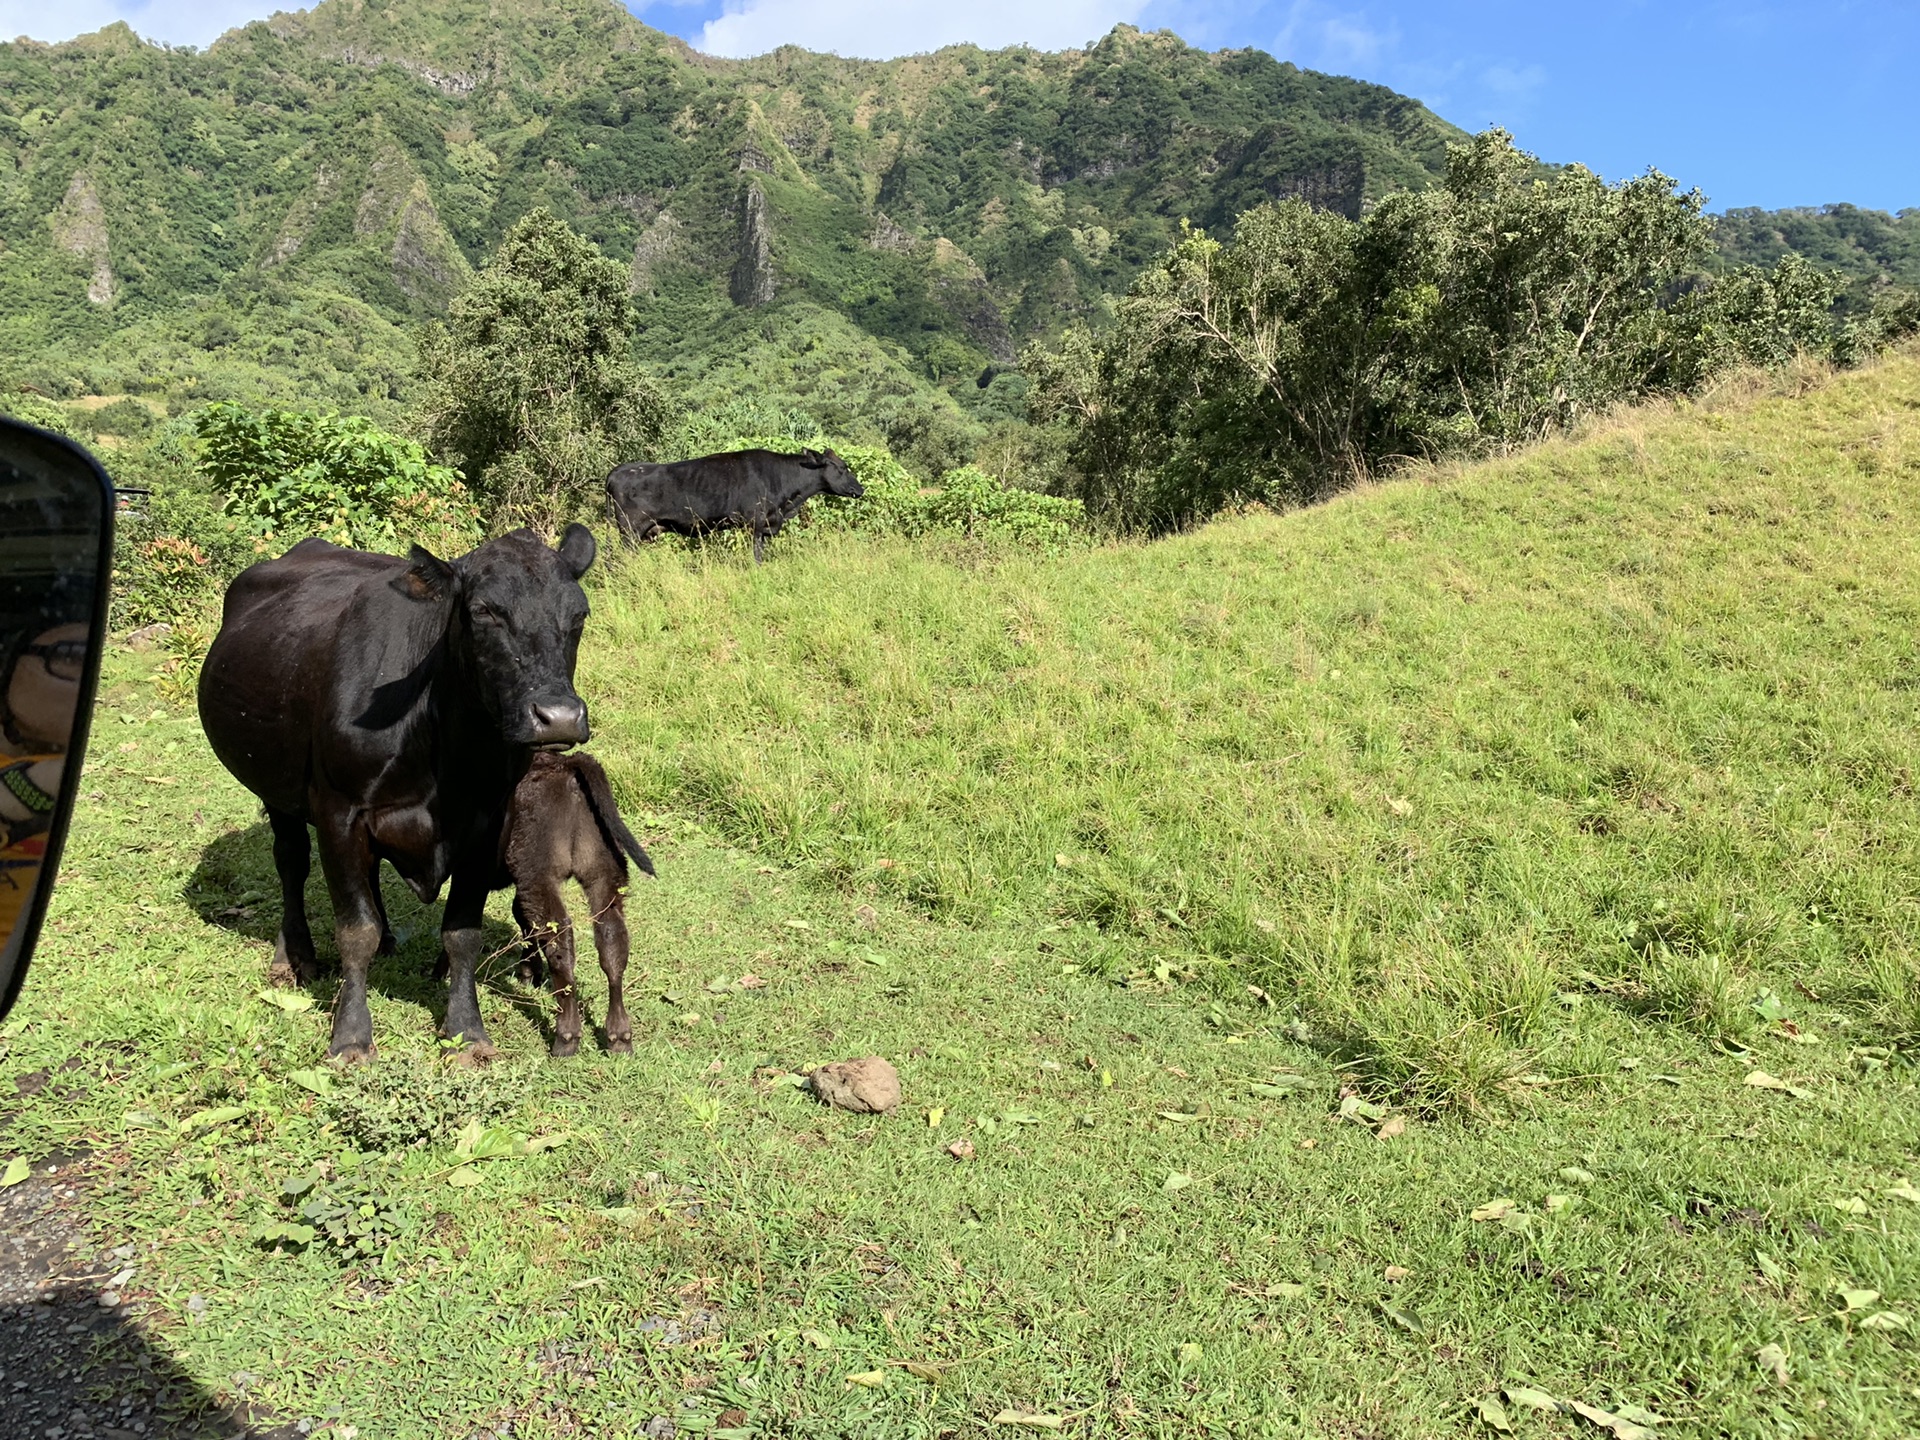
[(485, 614)]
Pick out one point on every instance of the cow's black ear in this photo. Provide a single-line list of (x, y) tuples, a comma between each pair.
[(427, 576), (811, 457), (577, 549)]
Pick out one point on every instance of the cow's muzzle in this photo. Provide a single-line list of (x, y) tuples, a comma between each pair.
[(556, 724)]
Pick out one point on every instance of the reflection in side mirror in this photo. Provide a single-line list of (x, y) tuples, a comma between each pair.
[(56, 560)]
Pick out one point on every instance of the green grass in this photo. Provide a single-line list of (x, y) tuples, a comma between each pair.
[(1532, 796)]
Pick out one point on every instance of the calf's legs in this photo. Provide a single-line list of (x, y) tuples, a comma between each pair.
[(610, 939), (543, 911)]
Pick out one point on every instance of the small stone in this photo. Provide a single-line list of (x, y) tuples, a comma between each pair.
[(961, 1149), (869, 1086), (659, 1428), (148, 636), (109, 1299), (196, 1304)]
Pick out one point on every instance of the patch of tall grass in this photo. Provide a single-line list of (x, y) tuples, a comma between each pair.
[(1627, 719)]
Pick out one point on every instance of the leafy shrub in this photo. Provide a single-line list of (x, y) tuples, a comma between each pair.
[(1311, 351), (1754, 316), (288, 475), (977, 505), (528, 385), (125, 416), (393, 1103), (892, 505), (968, 503), (165, 579), (35, 411), (345, 1213)]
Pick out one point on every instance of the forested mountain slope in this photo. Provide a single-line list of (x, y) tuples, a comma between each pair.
[(1872, 247), (270, 213)]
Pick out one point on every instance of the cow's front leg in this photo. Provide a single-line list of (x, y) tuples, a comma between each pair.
[(346, 860), (460, 954)]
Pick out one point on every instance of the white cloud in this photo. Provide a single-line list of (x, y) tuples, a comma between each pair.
[(1322, 38), (1517, 83), (881, 29), (176, 22)]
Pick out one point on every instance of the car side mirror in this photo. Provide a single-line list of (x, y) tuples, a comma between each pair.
[(56, 565)]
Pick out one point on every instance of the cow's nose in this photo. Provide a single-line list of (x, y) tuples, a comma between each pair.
[(559, 722)]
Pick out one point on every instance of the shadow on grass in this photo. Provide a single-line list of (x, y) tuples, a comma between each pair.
[(236, 888), (81, 1358)]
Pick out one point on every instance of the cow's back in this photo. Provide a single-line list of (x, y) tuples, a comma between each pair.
[(691, 493), (304, 641)]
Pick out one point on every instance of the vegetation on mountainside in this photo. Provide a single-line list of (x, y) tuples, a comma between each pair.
[(1478, 315), (871, 243), (1873, 249), (286, 476), (253, 222), (529, 386), (1576, 786)]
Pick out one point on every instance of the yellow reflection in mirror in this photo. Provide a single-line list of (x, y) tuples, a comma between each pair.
[(39, 692)]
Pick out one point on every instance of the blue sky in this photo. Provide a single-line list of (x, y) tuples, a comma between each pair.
[(1757, 102)]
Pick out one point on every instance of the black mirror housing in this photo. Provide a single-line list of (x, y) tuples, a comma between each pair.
[(56, 569)]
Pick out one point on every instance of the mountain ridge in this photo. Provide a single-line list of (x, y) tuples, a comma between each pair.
[(269, 217)]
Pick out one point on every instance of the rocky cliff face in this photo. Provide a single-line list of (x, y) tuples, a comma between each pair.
[(79, 227), (752, 281)]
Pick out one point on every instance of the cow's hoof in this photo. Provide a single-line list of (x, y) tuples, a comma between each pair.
[(563, 1048), (387, 944), (353, 1055), (280, 974), (478, 1053), (620, 1046)]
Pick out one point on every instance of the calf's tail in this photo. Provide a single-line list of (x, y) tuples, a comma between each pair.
[(600, 796)]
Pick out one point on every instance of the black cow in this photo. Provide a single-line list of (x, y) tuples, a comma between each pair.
[(394, 704), (758, 490)]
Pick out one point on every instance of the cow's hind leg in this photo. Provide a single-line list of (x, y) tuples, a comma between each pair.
[(346, 858), (294, 962), (610, 939)]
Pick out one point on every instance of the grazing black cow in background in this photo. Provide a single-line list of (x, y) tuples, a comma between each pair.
[(394, 704), (756, 490), (564, 825)]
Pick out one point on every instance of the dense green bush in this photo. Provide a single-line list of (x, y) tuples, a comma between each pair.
[(288, 475), (529, 386), (36, 411), (968, 503), (973, 503), (1312, 351)]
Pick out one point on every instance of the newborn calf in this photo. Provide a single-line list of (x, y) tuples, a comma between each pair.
[(564, 825)]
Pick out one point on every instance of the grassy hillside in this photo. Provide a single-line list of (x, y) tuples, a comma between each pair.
[(1629, 715), (1573, 789), (370, 153)]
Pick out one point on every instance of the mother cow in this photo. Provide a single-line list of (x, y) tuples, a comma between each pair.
[(393, 704)]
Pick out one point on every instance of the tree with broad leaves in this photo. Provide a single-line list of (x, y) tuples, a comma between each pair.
[(530, 386)]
